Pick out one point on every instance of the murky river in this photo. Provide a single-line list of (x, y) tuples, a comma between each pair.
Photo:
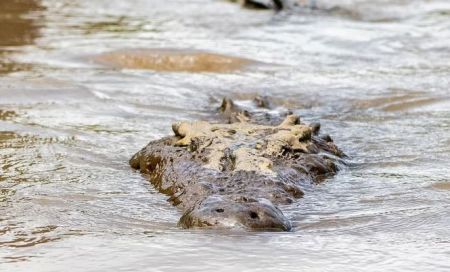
[(376, 74)]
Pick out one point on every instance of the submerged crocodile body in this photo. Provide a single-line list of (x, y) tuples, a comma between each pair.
[(234, 172)]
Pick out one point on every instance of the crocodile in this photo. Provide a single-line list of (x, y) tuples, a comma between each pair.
[(276, 4), (237, 169), (261, 4)]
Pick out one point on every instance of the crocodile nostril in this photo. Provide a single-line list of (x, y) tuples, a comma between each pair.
[(254, 215), (219, 210)]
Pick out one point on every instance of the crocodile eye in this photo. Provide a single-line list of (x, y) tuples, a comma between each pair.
[(219, 210), (254, 215), (305, 137)]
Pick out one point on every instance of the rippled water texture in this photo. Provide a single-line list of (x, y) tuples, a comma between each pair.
[(374, 73)]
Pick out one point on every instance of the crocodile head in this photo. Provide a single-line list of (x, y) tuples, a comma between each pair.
[(253, 214)]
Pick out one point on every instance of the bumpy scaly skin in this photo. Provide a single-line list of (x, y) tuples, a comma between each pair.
[(235, 173)]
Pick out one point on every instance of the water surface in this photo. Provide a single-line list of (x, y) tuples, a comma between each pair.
[(374, 73)]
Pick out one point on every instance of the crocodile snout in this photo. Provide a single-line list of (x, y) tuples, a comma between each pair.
[(216, 211)]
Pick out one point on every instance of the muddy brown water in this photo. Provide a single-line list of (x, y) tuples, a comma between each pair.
[(374, 73), (172, 60)]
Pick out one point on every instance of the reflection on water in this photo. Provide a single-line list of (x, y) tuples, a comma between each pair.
[(120, 24), (166, 60), (18, 27), (374, 73), (6, 114), (412, 100), (22, 239), (441, 186)]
